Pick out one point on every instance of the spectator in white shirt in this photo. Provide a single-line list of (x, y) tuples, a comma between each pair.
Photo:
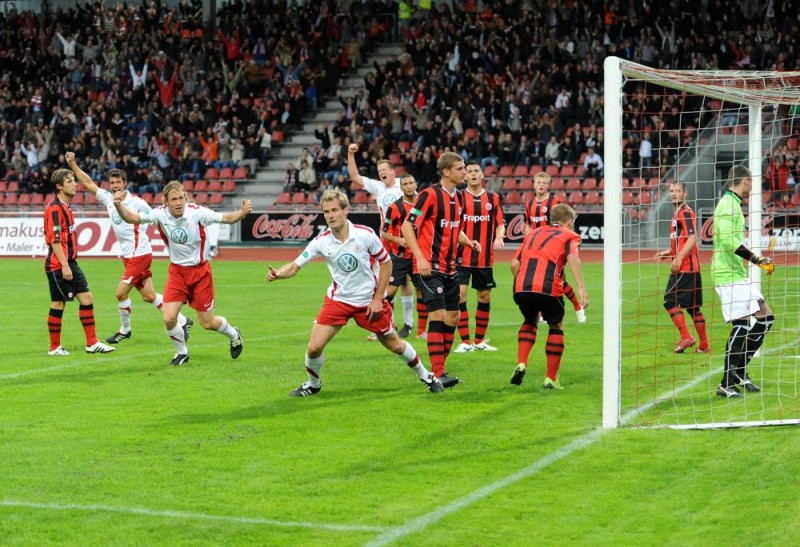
[(593, 164)]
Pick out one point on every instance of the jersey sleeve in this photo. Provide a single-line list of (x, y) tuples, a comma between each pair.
[(573, 244), (421, 209), (309, 253), (371, 185), (104, 197), (376, 248), (150, 216), (499, 219), (207, 216)]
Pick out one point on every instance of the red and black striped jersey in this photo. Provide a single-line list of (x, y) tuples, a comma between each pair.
[(59, 227), (542, 256), (537, 213), (437, 217), (684, 225), (396, 213), (482, 215)]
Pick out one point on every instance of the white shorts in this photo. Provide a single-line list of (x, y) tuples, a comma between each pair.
[(739, 300)]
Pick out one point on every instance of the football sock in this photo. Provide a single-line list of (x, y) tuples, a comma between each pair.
[(758, 333), (699, 321), (448, 336), (408, 310), (226, 329), (526, 338), (463, 322), (314, 369), (125, 316), (570, 293), (86, 314), (54, 327), (436, 346), (481, 321), (554, 349), (176, 337), (676, 314), (422, 316)]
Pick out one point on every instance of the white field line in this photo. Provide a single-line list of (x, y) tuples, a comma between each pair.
[(100, 508), (584, 441)]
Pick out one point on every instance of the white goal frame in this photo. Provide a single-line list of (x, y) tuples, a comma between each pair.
[(731, 86)]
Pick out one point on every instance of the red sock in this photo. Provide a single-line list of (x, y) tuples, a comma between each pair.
[(86, 314), (448, 336), (676, 314), (569, 293), (526, 338), (700, 326), (554, 350), (54, 326), (436, 347), (481, 321), (422, 317), (463, 322)]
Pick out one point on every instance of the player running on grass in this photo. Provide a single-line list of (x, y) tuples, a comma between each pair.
[(137, 254), (355, 292), (182, 225)]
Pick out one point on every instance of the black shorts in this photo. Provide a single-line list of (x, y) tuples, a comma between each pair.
[(684, 290), (439, 291), (401, 268), (62, 290), (482, 278), (531, 304)]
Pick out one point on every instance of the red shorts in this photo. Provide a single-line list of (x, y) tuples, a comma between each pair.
[(192, 284), (137, 270), (336, 314)]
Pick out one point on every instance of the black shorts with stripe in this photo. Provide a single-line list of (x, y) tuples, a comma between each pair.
[(401, 268), (685, 290), (531, 304), (63, 290), (482, 278), (439, 291)]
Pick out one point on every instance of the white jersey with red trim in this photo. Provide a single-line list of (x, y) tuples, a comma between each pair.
[(132, 238), (185, 236), (383, 196), (353, 281)]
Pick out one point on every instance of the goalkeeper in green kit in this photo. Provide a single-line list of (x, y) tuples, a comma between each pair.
[(743, 305)]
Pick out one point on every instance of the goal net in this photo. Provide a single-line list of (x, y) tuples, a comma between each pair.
[(696, 126)]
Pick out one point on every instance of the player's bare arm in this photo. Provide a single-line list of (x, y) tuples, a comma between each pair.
[(515, 264), (80, 175), (66, 271), (375, 307), (499, 237), (577, 274), (352, 166), (237, 216), (467, 242), (286, 271), (126, 214), (423, 266), (393, 239)]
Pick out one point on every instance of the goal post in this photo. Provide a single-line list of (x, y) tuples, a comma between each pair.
[(702, 123)]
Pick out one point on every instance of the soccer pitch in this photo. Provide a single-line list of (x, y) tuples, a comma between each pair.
[(124, 449)]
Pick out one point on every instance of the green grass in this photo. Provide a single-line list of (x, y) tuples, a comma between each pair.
[(123, 449)]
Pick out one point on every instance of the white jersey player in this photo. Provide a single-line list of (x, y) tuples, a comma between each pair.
[(355, 292), (182, 226), (134, 245)]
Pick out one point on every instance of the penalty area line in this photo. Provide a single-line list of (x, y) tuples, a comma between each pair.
[(100, 508)]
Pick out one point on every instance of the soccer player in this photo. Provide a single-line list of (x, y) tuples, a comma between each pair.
[(685, 286), (386, 191), (743, 305), (537, 214), (482, 221), (538, 268), (433, 232), (355, 292), (137, 255), (189, 279), (64, 275), (402, 260)]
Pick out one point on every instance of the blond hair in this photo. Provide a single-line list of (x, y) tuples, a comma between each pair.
[(171, 186), (447, 160), (335, 193), (561, 213)]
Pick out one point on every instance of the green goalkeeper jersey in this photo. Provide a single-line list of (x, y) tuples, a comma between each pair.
[(727, 267)]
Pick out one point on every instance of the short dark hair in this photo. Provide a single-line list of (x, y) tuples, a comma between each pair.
[(119, 173), (57, 179), (737, 174)]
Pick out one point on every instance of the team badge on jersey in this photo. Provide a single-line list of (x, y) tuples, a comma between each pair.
[(115, 218), (179, 235)]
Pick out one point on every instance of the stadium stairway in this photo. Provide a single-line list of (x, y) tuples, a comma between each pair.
[(263, 190)]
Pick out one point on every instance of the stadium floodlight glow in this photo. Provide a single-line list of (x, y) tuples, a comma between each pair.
[(702, 122)]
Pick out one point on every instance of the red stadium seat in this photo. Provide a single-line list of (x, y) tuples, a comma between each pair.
[(11, 199), (201, 186), (37, 199), (556, 183), (211, 173), (299, 198), (78, 198), (526, 184), (576, 197), (13, 187), (506, 171), (525, 197), (216, 199), (521, 171), (535, 169), (228, 186), (225, 173), (589, 183), (394, 157), (552, 170), (201, 198), (158, 199), (188, 185), (512, 198), (561, 195), (573, 184), (509, 184), (490, 170), (284, 198), (627, 197), (240, 173), (3, 186), (24, 200), (277, 137), (567, 171), (214, 186), (591, 198)]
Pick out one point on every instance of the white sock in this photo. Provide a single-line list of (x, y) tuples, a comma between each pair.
[(408, 310), (125, 316), (314, 369), (176, 337), (227, 329), (409, 355)]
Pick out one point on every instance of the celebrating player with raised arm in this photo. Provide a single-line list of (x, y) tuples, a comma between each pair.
[(182, 226)]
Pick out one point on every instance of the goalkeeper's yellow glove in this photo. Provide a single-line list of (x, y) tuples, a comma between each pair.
[(766, 264)]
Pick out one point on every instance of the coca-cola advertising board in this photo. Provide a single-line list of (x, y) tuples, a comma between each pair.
[(302, 227), (779, 231)]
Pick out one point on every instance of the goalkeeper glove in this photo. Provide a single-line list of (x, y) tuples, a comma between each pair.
[(766, 264)]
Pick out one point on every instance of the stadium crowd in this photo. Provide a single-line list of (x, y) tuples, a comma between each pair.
[(163, 94)]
